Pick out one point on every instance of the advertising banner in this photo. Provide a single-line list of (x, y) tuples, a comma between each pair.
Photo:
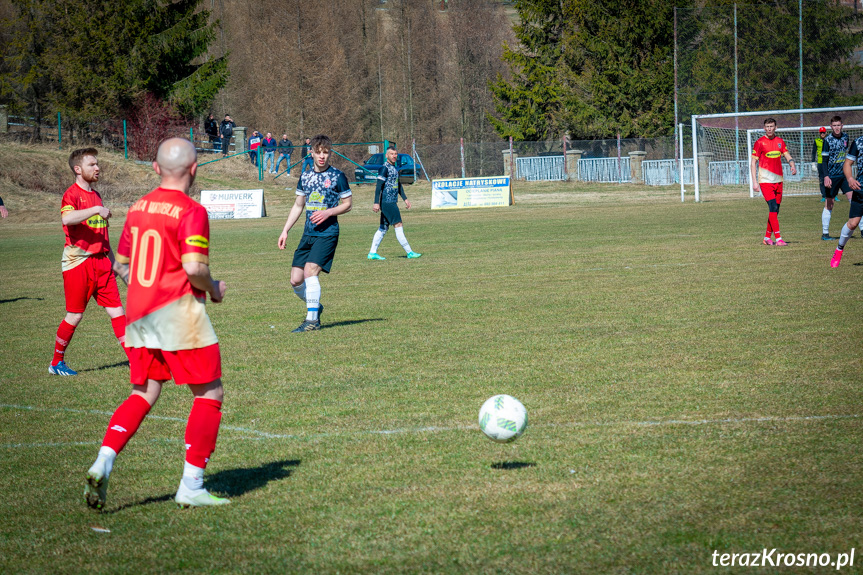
[(233, 204), (471, 193)]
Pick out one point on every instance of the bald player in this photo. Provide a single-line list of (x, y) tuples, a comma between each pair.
[(163, 256)]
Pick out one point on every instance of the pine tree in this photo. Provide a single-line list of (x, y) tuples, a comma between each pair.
[(92, 59), (529, 106)]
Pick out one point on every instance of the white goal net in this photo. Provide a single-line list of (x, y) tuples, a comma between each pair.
[(722, 146)]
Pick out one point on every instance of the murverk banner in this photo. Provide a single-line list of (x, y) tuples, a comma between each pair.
[(471, 193), (233, 204)]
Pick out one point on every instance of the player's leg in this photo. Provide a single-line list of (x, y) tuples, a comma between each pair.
[(378, 238), (124, 423), (400, 235), (778, 196), (78, 288), (320, 259), (108, 297), (311, 273), (854, 215), (768, 191), (192, 367)]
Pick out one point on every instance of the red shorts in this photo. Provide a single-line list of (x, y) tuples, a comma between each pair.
[(772, 192), (184, 366), (91, 278)]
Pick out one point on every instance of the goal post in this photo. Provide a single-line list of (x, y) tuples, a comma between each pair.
[(722, 144)]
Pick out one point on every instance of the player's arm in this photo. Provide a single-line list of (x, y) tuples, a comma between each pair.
[(753, 162), (322, 215), (293, 216), (404, 195), (379, 188), (853, 183), (72, 217), (791, 163), (199, 276)]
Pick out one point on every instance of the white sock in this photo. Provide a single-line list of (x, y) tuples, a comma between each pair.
[(400, 235), (825, 221), (376, 241), (313, 297), (300, 291), (105, 460), (843, 237), (193, 477)]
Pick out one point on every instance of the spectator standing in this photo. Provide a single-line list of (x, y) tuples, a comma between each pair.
[(226, 129), (211, 128), (5, 213), (270, 146), (286, 148), (254, 144), (307, 157)]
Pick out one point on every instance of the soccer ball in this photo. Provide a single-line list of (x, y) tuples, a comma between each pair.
[(502, 418)]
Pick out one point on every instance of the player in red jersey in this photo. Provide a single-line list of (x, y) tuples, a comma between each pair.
[(87, 257), (163, 256), (768, 153)]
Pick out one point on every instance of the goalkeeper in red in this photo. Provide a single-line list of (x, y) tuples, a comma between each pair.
[(767, 154), (854, 156), (163, 256)]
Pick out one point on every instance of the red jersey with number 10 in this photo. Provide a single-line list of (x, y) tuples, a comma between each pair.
[(164, 311), (768, 152)]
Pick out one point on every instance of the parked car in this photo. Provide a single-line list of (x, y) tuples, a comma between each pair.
[(373, 165)]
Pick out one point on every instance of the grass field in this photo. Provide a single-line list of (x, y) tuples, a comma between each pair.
[(689, 391)]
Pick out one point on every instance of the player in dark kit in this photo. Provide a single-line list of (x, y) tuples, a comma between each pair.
[(833, 158), (768, 153), (324, 194), (163, 256), (854, 155), (387, 194)]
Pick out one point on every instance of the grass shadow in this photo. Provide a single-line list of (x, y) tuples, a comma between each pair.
[(236, 482), (147, 501), (509, 465), (350, 322), (109, 366), (14, 299), (231, 482)]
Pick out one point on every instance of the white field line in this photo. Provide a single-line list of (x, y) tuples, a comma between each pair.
[(263, 435)]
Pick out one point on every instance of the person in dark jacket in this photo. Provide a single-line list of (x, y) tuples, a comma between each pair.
[(269, 144), (286, 148), (226, 130), (211, 128)]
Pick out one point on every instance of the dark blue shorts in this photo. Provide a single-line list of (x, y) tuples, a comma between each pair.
[(390, 214), (317, 250), (839, 183)]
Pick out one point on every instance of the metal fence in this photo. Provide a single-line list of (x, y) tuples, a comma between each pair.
[(541, 169), (666, 172), (605, 170)]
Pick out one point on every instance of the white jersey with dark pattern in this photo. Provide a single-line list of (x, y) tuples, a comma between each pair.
[(323, 190)]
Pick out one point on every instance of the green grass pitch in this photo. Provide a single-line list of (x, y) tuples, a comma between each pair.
[(689, 391)]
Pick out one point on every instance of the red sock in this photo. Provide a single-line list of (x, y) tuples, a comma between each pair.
[(125, 422), (61, 342), (773, 219), (119, 325), (202, 430), (769, 233)]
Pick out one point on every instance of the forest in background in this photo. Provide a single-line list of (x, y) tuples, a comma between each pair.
[(362, 70)]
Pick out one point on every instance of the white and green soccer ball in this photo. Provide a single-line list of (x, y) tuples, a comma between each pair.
[(502, 418)]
